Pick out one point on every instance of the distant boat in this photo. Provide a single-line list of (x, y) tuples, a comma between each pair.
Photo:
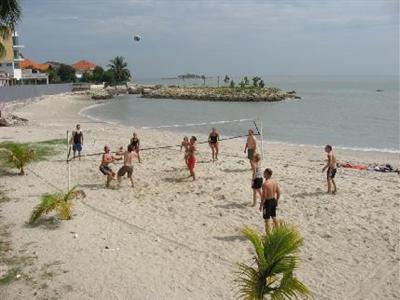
[(379, 91)]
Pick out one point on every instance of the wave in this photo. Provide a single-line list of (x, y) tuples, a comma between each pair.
[(354, 148)]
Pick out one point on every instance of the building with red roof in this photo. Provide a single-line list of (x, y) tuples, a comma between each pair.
[(82, 67)]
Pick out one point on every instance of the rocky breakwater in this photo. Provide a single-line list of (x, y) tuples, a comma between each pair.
[(130, 88), (246, 94)]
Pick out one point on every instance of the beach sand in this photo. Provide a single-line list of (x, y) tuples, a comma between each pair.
[(171, 238)]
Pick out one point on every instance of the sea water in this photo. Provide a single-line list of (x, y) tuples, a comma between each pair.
[(346, 112)]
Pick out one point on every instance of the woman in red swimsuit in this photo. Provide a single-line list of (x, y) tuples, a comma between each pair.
[(191, 160)]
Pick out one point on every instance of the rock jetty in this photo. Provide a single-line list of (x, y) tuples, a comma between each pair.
[(221, 94), (228, 94)]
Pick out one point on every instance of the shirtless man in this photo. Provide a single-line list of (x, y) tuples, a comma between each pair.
[(213, 141), (106, 159), (331, 169), (191, 160), (135, 142), (251, 145), (270, 197), (128, 166)]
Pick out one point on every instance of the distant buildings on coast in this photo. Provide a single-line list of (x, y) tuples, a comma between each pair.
[(15, 69)]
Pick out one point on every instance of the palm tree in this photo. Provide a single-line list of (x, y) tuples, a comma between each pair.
[(246, 80), (61, 202), (277, 258), (261, 84), (18, 155), (256, 79), (118, 67), (226, 79), (10, 14), (204, 79), (232, 84)]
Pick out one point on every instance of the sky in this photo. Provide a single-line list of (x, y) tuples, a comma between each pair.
[(247, 37)]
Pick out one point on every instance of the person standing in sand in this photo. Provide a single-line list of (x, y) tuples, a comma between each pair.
[(270, 197), (257, 178), (129, 155), (191, 160), (331, 169), (135, 142), (77, 141), (106, 159), (213, 141), (185, 145), (251, 145)]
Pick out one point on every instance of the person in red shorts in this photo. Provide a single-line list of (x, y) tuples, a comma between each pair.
[(191, 160)]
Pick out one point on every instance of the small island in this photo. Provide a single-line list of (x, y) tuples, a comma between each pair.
[(243, 92)]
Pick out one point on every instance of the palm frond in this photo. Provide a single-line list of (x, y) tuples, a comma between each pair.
[(290, 288), (64, 210), (250, 284), (10, 13), (277, 258), (283, 240), (255, 239), (60, 202), (48, 202)]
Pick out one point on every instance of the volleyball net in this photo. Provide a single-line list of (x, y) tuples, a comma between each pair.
[(227, 130)]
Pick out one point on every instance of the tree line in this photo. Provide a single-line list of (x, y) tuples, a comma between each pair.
[(117, 73), (257, 82)]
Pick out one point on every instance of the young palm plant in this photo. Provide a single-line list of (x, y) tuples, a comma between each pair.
[(60, 202), (276, 260), (19, 156)]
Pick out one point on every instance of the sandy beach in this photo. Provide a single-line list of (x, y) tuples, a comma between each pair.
[(171, 238)]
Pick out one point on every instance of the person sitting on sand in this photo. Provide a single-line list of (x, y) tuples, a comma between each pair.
[(106, 159), (331, 169), (213, 141), (185, 145), (270, 197), (191, 160), (135, 142), (257, 178), (128, 166), (251, 145), (77, 141)]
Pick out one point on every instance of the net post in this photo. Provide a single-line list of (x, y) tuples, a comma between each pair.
[(262, 137), (68, 165)]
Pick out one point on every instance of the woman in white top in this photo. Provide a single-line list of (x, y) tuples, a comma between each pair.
[(257, 179)]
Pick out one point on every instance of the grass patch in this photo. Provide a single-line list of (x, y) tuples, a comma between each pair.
[(10, 276), (19, 155), (42, 150)]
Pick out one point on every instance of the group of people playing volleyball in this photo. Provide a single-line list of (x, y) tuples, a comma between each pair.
[(262, 185)]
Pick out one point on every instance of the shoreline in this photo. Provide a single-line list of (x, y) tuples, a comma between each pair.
[(187, 234), (273, 142)]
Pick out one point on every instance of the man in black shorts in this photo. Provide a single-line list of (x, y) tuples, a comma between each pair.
[(270, 197), (129, 155)]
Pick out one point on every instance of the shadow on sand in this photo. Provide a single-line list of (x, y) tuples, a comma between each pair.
[(50, 223), (309, 194), (235, 170), (231, 205), (176, 180), (230, 238)]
